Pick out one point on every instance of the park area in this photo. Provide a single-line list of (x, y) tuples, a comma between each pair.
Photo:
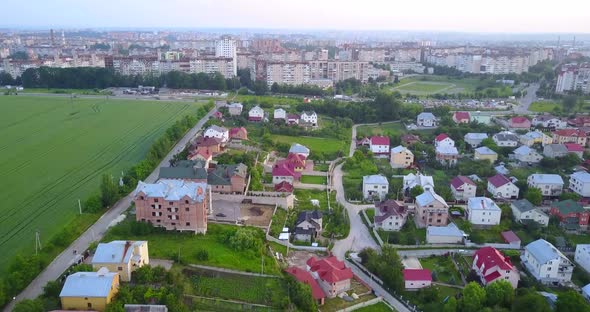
[(54, 151), (427, 85)]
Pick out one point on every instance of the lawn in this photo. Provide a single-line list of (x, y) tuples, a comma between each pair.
[(278, 221), (426, 85), (370, 213), (409, 234), (317, 145), (377, 307), (168, 245), (54, 151), (542, 107), (66, 91), (390, 128), (313, 179), (321, 167), (336, 304), (443, 269)]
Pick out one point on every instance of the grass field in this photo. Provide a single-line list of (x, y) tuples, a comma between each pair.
[(53, 152), (65, 91), (377, 307), (444, 269), (317, 145), (391, 128), (425, 85), (542, 107), (313, 179)]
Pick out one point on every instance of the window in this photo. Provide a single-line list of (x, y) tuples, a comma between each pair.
[(186, 209), (188, 224), (141, 197), (120, 268), (89, 304), (171, 203), (155, 200), (186, 201), (158, 221)]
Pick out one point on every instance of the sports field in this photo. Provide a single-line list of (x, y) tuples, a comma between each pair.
[(54, 150), (426, 85)]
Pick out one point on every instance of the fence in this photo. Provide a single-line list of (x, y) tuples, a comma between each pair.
[(284, 200), (362, 304), (286, 244)]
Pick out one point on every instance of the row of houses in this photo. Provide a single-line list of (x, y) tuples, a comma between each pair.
[(257, 114)]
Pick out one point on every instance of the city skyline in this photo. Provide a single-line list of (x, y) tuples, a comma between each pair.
[(532, 17)]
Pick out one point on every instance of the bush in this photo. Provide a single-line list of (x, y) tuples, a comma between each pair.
[(202, 255)]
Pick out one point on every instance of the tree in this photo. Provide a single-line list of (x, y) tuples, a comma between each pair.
[(569, 195), (489, 143), (499, 293), (300, 294), (569, 102), (450, 305), (571, 301), (530, 301), (534, 196), (416, 191), (474, 297), (29, 305), (109, 190)]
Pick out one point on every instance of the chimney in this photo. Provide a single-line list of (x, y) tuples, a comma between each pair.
[(483, 204)]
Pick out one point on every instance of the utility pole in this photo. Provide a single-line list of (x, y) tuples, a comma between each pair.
[(80, 206)]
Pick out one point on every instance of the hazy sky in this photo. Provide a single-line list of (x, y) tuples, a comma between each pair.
[(437, 15)]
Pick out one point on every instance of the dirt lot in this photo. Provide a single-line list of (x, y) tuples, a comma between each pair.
[(255, 214), (411, 263), (299, 257)]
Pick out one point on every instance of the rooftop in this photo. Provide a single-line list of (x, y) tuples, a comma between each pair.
[(482, 203), (115, 251), (484, 150), (88, 284), (510, 237), (567, 206), (380, 140), (399, 149), (447, 150), (441, 137), (417, 275), (543, 251), (458, 181), (426, 115), (499, 180), (475, 136), (523, 205), (450, 230), (172, 189), (428, 197), (546, 178), (489, 257), (581, 176), (305, 277), (330, 269), (375, 179)]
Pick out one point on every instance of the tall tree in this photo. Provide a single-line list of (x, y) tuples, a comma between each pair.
[(530, 301), (534, 195), (500, 294), (571, 301), (109, 190), (569, 102), (474, 297)]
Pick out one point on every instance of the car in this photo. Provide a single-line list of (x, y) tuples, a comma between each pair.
[(221, 215)]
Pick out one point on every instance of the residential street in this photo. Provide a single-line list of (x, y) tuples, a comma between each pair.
[(527, 100), (98, 229)]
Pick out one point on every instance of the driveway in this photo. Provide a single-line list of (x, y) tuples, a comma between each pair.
[(98, 229), (411, 263)]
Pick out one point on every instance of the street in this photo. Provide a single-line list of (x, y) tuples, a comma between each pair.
[(61, 263)]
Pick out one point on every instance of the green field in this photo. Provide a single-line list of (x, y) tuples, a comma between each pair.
[(53, 152), (443, 269), (377, 307), (313, 179), (65, 91), (426, 85), (542, 107), (390, 128), (317, 145)]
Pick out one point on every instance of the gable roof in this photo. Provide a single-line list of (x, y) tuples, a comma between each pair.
[(183, 172), (461, 115), (235, 131), (447, 150), (88, 284), (499, 180), (172, 189), (574, 147), (484, 150), (581, 176), (450, 230), (570, 133), (116, 251), (399, 149), (216, 128), (380, 140), (426, 115), (510, 237), (458, 181), (543, 251), (298, 149), (523, 150), (506, 136), (309, 216), (428, 197), (555, 148), (490, 257), (388, 208), (375, 179), (441, 137), (522, 205), (283, 169), (417, 275), (545, 178), (306, 278), (330, 269), (475, 136), (482, 203), (284, 186), (519, 119), (222, 174), (568, 206)]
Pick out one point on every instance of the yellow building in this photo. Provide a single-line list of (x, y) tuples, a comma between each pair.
[(89, 290), (484, 152), (122, 257), (401, 157)]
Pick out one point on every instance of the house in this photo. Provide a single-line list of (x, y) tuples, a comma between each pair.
[(505, 139), (284, 187), (582, 256), (501, 169), (586, 292), (305, 277), (525, 154), (579, 121), (89, 290), (426, 120), (409, 139), (309, 118), (483, 211), (443, 140), (282, 171), (379, 146), (548, 121), (502, 188), (121, 257), (519, 122), (228, 179), (461, 117), (401, 157), (463, 188), (218, 115), (390, 215), (523, 211), (580, 183), (411, 180), (574, 148), (375, 186), (547, 264), (295, 161), (189, 170), (535, 137), (279, 115), (256, 114), (332, 275), (235, 109), (511, 238), (549, 184), (474, 139), (308, 226), (431, 210), (212, 144), (417, 278), (238, 134), (447, 156), (485, 153), (215, 131), (562, 136), (491, 265), (555, 150), (293, 119), (173, 204), (297, 148), (571, 214), (449, 234)]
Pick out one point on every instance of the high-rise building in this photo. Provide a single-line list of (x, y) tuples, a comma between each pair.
[(226, 47)]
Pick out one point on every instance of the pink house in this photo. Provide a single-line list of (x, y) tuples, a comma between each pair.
[(575, 148), (519, 122), (332, 275), (491, 265), (461, 117), (283, 171), (417, 278), (238, 133)]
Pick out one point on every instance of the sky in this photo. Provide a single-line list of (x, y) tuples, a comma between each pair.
[(492, 16)]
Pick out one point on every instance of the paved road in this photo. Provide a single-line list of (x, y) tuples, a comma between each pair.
[(530, 97), (359, 236), (98, 229)]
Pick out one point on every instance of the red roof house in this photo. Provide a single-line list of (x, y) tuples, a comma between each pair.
[(417, 278), (461, 117), (379, 145), (331, 273), (409, 139), (563, 136), (282, 171), (499, 180), (305, 277), (491, 265), (519, 122), (284, 186), (238, 133), (463, 188), (580, 121), (441, 137), (511, 238)]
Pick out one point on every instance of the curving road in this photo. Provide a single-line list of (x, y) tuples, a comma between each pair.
[(62, 262)]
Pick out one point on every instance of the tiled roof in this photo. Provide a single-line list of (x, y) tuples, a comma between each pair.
[(462, 115), (569, 133), (567, 206), (330, 269), (284, 187), (441, 137), (499, 180), (380, 140), (388, 208), (489, 257), (510, 237), (306, 278), (458, 181), (417, 275)]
